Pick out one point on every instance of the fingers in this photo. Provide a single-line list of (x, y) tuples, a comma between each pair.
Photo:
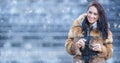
[(97, 47), (82, 39), (80, 43)]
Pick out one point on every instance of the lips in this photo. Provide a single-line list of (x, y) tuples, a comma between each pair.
[(91, 19)]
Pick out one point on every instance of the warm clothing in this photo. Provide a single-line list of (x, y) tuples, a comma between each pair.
[(75, 33)]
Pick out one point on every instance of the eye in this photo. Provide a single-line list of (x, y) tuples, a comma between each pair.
[(95, 14), (90, 12)]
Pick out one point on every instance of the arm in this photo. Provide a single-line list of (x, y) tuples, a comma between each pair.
[(107, 48), (108, 45), (70, 42), (70, 45)]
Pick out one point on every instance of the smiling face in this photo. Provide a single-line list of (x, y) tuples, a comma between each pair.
[(92, 14)]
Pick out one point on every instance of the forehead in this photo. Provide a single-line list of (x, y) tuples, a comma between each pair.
[(93, 9)]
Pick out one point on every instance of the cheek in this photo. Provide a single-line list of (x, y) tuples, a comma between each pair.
[(96, 17), (88, 15)]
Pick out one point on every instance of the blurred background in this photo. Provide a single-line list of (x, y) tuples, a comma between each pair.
[(34, 31)]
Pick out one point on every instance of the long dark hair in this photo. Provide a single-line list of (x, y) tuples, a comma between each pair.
[(102, 23)]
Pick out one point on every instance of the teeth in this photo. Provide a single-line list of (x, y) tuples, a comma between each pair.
[(91, 19)]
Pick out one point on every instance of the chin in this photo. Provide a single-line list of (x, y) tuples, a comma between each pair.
[(91, 22)]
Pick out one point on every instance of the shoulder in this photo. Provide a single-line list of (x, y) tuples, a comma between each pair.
[(79, 20)]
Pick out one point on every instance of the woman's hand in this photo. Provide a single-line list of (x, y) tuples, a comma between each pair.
[(97, 47), (80, 43)]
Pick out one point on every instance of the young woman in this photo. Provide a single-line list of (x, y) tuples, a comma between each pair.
[(90, 39)]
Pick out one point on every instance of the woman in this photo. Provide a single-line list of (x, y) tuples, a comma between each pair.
[(90, 39)]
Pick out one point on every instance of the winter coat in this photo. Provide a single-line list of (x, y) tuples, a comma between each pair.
[(76, 32)]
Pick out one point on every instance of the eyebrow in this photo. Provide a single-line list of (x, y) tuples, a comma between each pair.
[(93, 12)]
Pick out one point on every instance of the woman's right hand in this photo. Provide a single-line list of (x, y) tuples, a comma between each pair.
[(80, 43)]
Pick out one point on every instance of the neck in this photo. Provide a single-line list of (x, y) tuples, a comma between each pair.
[(94, 25), (90, 24)]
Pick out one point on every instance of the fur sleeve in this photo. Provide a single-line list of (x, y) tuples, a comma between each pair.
[(109, 46), (70, 45), (107, 49)]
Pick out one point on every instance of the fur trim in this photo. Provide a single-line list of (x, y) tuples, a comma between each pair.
[(79, 20)]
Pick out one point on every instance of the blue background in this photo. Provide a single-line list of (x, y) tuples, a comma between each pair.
[(34, 31)]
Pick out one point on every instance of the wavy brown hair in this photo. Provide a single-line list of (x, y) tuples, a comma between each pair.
[(102, 23)]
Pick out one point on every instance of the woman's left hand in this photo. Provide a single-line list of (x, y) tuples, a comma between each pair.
[(97, 47)]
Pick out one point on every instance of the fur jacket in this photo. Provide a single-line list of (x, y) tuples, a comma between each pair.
[(76, 31)]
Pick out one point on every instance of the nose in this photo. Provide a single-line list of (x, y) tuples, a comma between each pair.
[(91, 15)]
